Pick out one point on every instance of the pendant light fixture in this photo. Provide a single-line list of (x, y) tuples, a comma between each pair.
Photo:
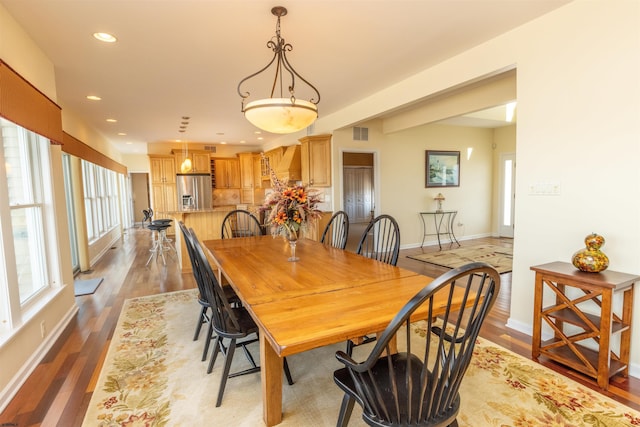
[(282, 114), (186, 166)]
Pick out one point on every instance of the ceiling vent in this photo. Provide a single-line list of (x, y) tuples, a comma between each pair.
[(360, 134), (211, 148)]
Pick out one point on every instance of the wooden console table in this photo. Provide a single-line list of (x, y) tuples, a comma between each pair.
[(577, 296)]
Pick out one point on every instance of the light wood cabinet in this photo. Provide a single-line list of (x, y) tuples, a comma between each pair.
[(270, 161), (246, 177), (163, 169), (316, 160), (164, 197), (227, 173), (200, 162), (257, 171)]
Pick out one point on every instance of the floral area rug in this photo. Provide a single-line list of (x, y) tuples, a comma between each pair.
[(500, 257), (153, 376)]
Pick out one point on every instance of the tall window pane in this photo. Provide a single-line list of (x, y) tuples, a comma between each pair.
[(25, 153)]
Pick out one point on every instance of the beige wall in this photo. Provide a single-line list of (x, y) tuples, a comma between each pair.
[(400, 176)]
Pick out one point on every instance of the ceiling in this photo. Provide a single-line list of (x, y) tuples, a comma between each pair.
[(176, 58)]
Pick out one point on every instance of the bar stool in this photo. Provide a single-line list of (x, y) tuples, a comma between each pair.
[(161, 242)]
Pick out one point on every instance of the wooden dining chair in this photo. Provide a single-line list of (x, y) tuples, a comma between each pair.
[(336, 231), (379, 241), (240, 223), (234, 324), (419, 385)]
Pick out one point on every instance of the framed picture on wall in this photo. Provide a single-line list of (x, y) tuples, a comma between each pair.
[(442, 169)]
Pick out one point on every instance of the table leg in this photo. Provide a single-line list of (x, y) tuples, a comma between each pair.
[(452, 236), (437, 225), (271, 373)]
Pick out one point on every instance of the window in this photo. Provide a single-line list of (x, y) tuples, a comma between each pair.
[(100, 199), (26, 163)]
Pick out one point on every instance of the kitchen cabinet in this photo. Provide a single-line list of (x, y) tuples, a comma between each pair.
[(246, 177), (227, 173), (165, 199), (200, 161), (270, 161), (164, 196), (316, 160), (163, 169), (257, 171)]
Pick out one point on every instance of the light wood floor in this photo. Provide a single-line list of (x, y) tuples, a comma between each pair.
[(59, 390)]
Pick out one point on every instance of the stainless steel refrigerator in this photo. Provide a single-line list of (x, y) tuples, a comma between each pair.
[(194, 191)]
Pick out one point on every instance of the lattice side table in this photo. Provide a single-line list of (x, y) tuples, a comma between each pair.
[(574, 324)]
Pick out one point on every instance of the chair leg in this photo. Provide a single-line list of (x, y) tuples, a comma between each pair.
[(349, 347), (287, 372), (225, 371), (154, 249), (201, 320), (216, 348), (210, 336), (249, 356), (345, 410)]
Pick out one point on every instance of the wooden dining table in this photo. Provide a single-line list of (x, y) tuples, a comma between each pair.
[(328, 296)]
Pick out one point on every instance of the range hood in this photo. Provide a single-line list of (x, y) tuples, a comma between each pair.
[(289, 167)]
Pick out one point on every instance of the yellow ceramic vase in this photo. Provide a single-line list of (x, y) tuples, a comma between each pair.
[(591, 259)]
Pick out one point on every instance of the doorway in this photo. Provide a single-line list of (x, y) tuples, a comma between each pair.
[(139, 195), (358, 193)]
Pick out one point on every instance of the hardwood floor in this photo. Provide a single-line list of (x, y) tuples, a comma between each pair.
[(59, 390)]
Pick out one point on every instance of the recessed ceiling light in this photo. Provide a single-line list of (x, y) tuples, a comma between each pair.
[(223, 142), (121, 134), (93, 98), (105, 37), (260, 138), (129, 143), (242, 142), (257, 132), (112, 120)]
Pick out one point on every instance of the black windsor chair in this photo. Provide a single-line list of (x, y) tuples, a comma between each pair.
[(419, 386), (337, 230), (229, 323)]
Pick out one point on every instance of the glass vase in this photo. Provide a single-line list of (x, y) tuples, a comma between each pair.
[(292, 246)]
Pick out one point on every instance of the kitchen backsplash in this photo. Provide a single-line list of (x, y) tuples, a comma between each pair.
[(226, 197)]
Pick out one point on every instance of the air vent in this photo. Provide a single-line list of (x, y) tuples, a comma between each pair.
[(360, 134), (211, 148)]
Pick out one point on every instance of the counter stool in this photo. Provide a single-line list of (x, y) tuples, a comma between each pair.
[(161, 242)]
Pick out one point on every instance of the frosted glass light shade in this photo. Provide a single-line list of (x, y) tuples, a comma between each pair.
[(280, 115)]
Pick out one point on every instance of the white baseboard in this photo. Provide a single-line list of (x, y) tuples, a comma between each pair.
[(37, 356), (634, 368), (445, 243)]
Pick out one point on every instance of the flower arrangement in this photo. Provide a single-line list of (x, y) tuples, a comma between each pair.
[(290, 208)]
